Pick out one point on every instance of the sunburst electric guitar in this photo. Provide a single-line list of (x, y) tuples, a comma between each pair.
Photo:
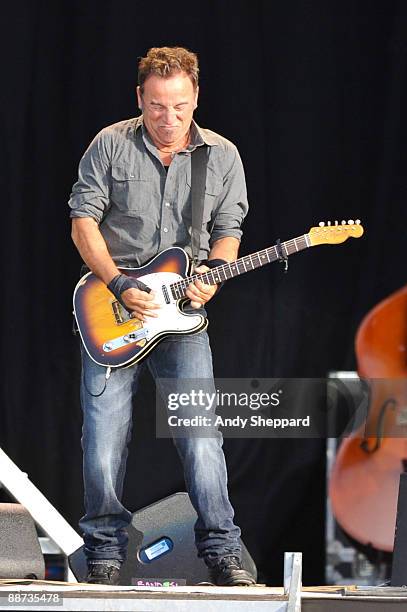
[(113, 339)]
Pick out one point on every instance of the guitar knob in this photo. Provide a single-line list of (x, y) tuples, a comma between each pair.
[(329, 223), (357, 221), (336, 222), (350, 222), (343, 222), (321, 224)]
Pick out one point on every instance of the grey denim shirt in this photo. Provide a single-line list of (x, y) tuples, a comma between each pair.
[(143, 209)]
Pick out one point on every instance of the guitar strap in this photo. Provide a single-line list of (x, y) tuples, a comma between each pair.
[(199, 160)]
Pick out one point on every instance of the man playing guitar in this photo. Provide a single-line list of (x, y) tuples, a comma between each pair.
[(132, 200)]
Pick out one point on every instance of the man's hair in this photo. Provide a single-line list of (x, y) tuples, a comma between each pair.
[(167, 61)]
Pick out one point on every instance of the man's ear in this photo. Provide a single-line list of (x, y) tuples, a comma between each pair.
[(139, 97), (196, 97)]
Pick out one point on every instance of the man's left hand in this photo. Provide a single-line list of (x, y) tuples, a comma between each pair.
[(198, 292)]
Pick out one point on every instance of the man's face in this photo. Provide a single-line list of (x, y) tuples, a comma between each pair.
[(168, 105)]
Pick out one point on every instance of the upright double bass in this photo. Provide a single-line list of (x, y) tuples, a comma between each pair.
[(365, 478)]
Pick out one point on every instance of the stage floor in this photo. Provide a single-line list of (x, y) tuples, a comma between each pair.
[(60, 596)]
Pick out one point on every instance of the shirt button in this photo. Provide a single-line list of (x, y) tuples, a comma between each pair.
[(167, 204), (165, 229)]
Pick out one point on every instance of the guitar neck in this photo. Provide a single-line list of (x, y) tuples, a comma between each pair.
[(242, 265)]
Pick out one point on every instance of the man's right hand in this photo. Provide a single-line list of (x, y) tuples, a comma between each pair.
[(140, 304), (134, 295)]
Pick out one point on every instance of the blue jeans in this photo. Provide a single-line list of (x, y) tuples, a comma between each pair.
[(107, 431)]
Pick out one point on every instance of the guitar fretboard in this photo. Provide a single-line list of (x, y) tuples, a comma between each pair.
[(242, 265)]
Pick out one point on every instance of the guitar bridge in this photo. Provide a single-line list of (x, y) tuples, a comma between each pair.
[(120, 313)]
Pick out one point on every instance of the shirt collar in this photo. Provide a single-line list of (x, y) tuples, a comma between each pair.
[(199, 136)]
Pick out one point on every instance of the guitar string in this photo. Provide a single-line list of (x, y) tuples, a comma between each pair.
[(247, 259), (291, 246)]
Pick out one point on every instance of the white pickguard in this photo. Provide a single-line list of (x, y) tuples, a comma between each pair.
[(170, 318)]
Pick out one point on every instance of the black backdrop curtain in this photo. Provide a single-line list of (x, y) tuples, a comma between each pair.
[(312, 94)]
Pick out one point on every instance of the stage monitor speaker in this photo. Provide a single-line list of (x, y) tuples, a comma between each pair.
[(399, 565), (20, 551), (161, 547)]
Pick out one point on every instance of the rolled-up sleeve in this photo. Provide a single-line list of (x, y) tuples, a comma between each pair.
[(90, 194), (233, 204)]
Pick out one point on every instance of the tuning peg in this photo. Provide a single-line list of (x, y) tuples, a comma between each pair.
[(343, 222), (350, 222), (329, 223), (321, 224), (357, 221), (336, 222)]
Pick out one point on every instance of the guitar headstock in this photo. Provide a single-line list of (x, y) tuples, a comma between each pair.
[(327, 233)]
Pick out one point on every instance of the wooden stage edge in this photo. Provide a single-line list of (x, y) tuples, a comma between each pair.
[(46, 595)]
